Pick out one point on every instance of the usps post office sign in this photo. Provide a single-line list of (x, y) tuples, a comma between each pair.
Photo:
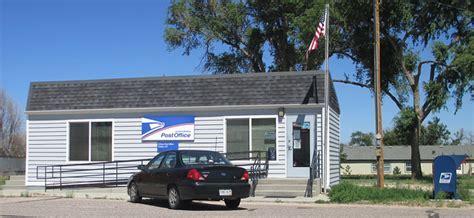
[(445, 178), (167, 128)]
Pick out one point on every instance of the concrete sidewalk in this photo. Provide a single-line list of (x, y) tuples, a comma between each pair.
[(120, 193)]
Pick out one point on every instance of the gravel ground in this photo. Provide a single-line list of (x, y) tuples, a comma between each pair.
[(72, 207)]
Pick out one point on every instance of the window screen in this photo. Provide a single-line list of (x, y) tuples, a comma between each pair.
[(79, 141), (263, 134), (237, 137), (101, 141)]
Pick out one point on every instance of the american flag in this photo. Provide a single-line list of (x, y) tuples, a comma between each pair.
[(320, 31)]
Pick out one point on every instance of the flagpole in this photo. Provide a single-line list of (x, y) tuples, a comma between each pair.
[(326, 103)]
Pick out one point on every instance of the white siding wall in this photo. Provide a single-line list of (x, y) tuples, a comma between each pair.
[(46, 146), (319, 140), (334, 147), (47, 142)]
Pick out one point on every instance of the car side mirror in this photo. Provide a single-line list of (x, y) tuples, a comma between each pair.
[(141, 167)]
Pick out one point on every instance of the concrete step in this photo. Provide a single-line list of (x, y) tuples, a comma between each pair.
[(279, 193), (17, 177), (289, 181), (276, 187), (15, 182), (13, 187)]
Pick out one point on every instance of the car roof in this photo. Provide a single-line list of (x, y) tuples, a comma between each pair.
[(179, 151)]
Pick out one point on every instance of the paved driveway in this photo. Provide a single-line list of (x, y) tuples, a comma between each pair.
[(10, 206)]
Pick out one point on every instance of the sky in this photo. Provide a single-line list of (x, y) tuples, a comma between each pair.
[(55, 40)]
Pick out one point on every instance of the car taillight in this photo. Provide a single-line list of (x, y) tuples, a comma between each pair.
[(245, 177), (195, 175)]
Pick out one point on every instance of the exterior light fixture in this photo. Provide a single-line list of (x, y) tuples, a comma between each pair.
[(281, 112)]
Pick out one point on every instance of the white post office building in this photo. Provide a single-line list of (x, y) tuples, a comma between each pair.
[(70, 122)]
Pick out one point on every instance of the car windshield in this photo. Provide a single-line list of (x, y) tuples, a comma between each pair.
[(203, 158)]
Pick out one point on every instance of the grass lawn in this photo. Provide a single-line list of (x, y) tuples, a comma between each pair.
[(415, 190), (392, 181), (3, 179)]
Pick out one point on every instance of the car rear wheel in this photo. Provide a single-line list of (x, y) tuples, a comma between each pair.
[(232, 203), (133, 192), (174, 200)]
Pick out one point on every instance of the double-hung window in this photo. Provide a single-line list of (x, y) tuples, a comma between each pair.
[(408, 167), (90, 141), (386, 167), (250, 134)]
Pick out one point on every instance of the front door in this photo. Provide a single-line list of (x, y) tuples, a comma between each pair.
[(300, 144)]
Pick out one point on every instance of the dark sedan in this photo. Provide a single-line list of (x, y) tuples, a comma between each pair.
[(185, 175)]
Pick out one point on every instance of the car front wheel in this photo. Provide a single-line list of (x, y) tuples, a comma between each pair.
[(232, 203), (133, 192), (174, 200)]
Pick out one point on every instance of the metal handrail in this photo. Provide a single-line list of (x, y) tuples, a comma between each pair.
[(103, 174), (257, 169), (115, 173), (313, 173)]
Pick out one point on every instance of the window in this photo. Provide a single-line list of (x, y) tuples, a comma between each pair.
[(238, 139), (408, 166), (203, 158), (170, 161), (250, 134), (90, 141), (155, 163), (79, 141), (386, 167)]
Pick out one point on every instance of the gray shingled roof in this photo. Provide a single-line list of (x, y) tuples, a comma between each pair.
[(277, 88), (363, 153)]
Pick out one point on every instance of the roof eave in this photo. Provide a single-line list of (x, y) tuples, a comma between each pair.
[(165, 109)]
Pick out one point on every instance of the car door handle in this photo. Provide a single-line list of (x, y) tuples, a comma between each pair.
[(168, 174)]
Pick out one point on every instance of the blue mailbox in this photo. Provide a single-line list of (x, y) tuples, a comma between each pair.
[(444, 173)]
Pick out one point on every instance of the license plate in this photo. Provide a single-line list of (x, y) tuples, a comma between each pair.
[(225, 192)]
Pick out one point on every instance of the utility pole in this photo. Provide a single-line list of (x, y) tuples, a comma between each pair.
[(378, 99)]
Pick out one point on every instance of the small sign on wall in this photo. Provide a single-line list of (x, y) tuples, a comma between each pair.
[(306, 125), (167, 146)]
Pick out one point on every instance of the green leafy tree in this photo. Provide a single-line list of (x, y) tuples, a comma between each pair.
[(235, 34), (406, 30), (342, 154), (435, 133), (459, 138), (359, 138)]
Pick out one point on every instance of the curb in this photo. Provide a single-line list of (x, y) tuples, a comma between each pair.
[(124, 196)]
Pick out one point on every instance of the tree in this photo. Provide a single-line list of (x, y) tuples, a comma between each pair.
[(359, 138), (406, 30), (11, 135), (435, 133), (459, 138), (235, 35)]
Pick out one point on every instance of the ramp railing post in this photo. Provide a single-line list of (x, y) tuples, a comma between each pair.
[(103, 174), (45, 179), (116, 174), (60, 177)]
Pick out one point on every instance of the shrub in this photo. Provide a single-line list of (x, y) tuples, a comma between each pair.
[(465, 183), (347, 170), (396, 171), (347, 192)]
